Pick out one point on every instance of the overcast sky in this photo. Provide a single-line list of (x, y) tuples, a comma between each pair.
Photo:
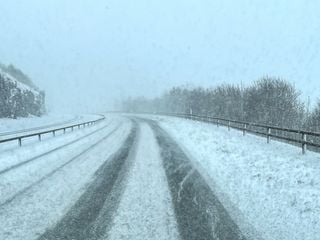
[(87, 53)]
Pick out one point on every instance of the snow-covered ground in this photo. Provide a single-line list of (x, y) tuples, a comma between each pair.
[(271, 191), (36, 160), (272, 187), (46, 188), (146, 210)]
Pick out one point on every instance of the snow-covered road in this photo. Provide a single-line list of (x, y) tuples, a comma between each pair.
[(130, 177), (145, 210), (37, 194), (148, 189)]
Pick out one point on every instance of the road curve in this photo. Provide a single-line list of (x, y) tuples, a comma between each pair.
[(147, 189)]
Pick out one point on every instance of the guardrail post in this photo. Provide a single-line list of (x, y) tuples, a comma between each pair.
[(268, 135), (54, 133), (229, 125), (304, 143), (20, 142), (244, 129), (64, 131), (72, 129), (218, 123), (39, 137)]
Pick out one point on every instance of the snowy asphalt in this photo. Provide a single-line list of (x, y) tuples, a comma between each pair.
[(143, 187)]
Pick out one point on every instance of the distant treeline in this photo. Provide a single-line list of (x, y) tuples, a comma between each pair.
[(19, 102), (269, 101)]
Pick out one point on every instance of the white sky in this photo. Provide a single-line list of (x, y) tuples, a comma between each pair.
[(87, 53)]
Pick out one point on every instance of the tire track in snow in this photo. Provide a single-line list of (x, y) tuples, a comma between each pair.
[(145, 210), (43, 206), (90, 216), (38, 157), (26, 189), (199, 213), (138, 195)]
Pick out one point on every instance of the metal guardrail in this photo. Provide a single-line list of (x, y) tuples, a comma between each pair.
[(10, 133), (53, 131), (302, 138)]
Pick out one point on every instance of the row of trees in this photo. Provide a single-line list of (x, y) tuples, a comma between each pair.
[(270, 101), (15, 102), (18, 74)]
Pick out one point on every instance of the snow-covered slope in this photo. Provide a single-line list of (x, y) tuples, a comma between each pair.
[(18, 99), (19, 84)]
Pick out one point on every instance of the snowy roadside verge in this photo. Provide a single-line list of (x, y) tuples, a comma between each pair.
[(274, 187)]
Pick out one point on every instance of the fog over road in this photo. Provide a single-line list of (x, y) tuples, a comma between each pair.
[(137, 184)]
